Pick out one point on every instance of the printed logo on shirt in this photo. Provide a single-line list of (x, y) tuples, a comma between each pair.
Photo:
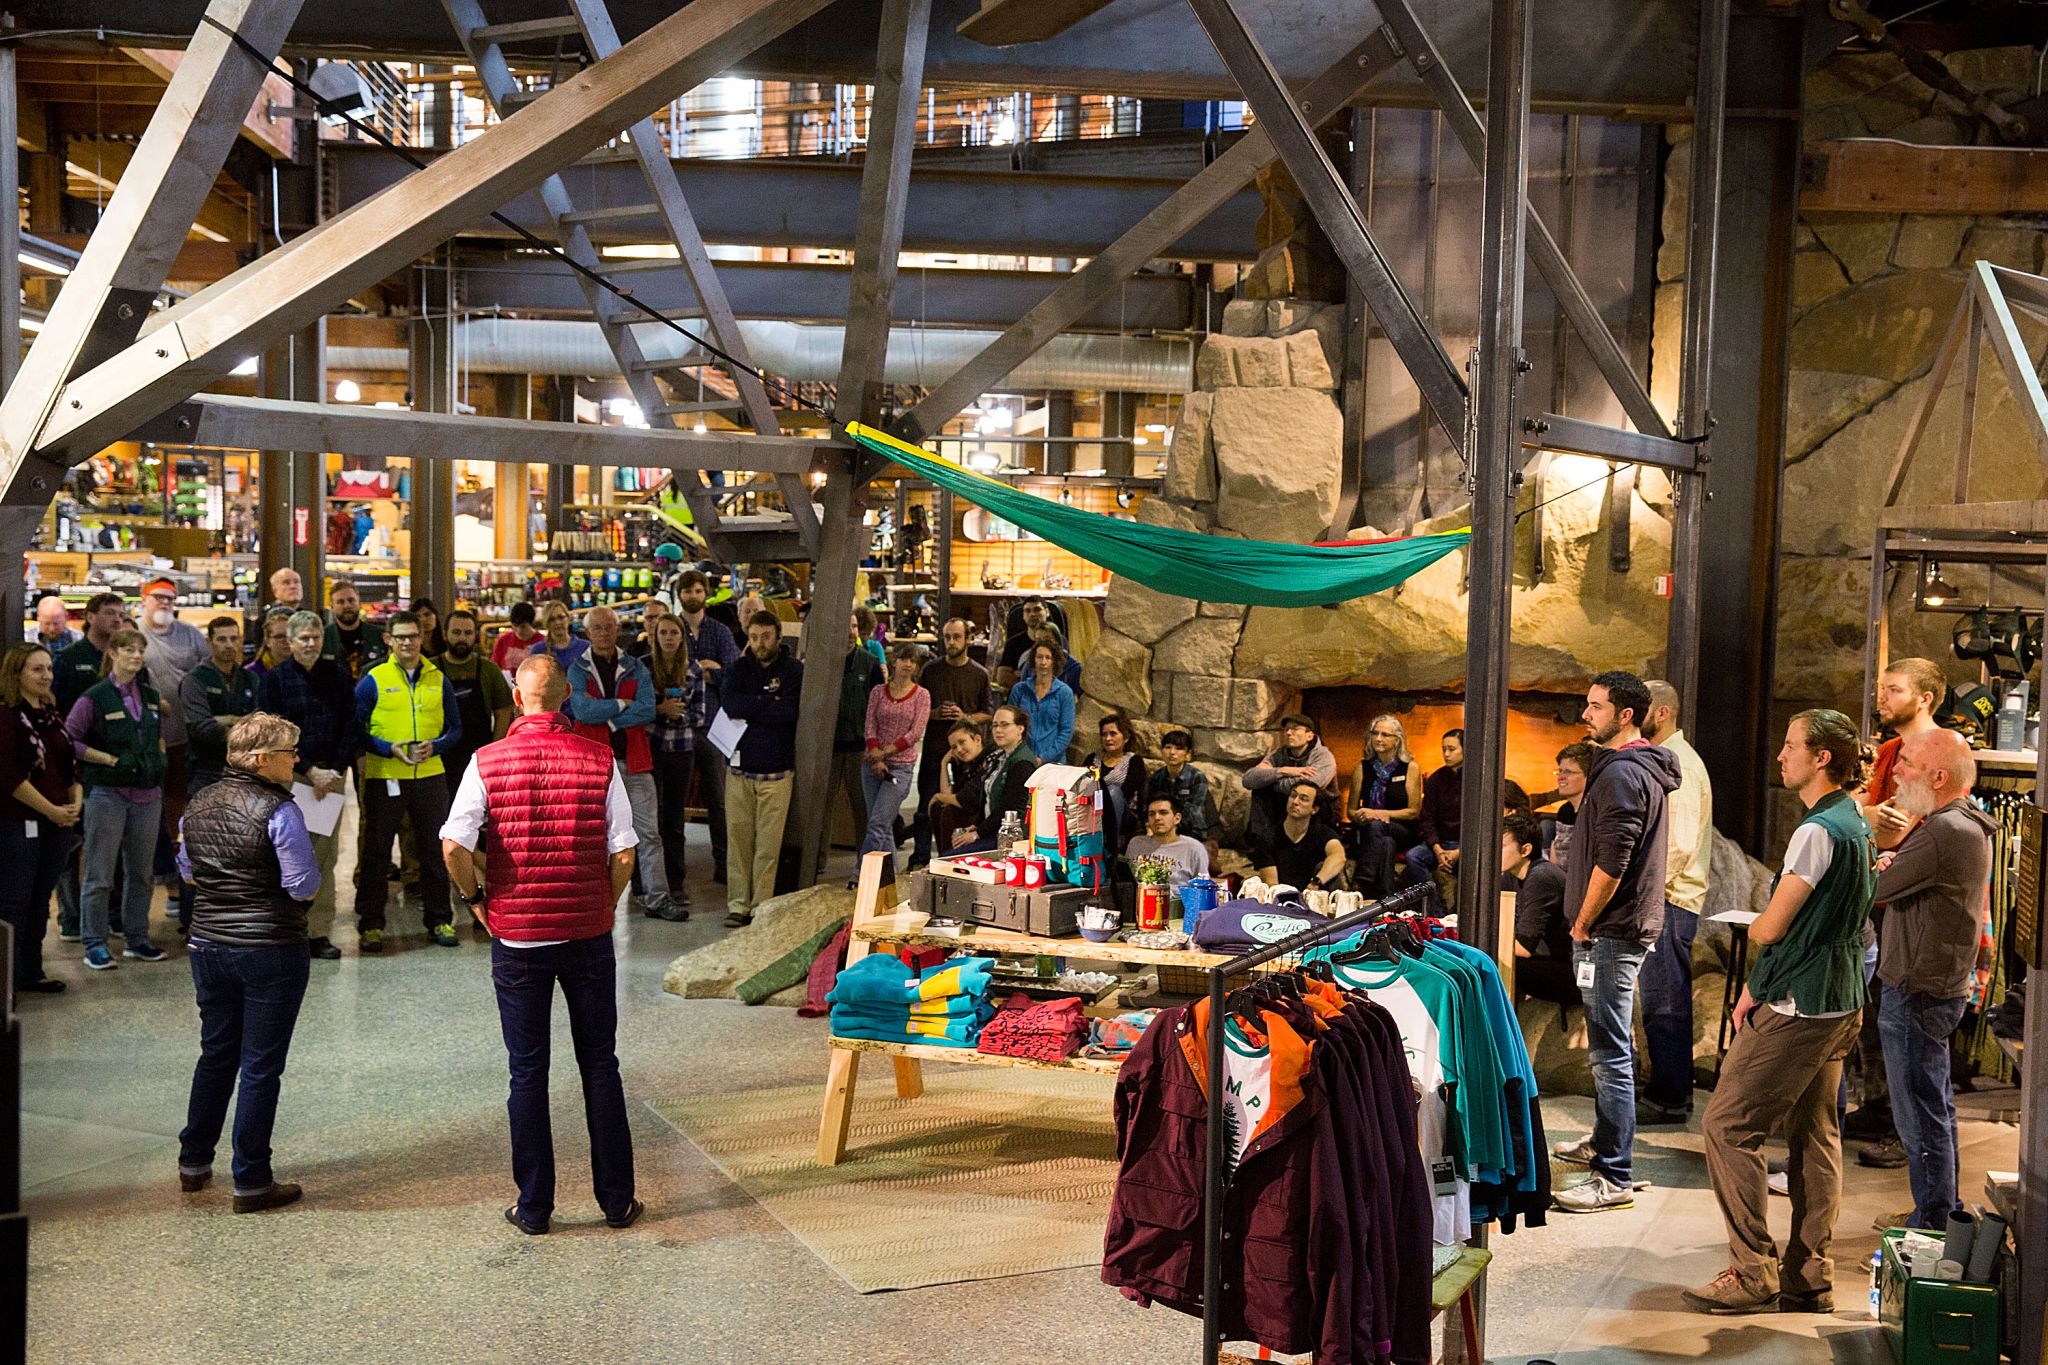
[(1272, 928)]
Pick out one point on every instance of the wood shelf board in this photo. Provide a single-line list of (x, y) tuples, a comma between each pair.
[(908, 930), (928, 1052)]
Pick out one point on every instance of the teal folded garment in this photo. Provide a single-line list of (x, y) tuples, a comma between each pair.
[(977, 1012), (880, 979), (953, 1033)]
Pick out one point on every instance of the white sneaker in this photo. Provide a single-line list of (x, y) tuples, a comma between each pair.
[(1579, 1153), (1780, 1183), (1595, 1195)]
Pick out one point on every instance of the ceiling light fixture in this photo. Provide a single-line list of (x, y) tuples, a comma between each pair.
[(348, 391), (1936, 591), (247, 367), (42, 263)]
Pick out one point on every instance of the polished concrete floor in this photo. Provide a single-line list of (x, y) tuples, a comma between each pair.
[(393, 1119)]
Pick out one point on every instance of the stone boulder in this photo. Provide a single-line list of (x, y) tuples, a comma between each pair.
[(1582, 618), (1276, 461), (1233, 802), (1201, 646), (1191, 460), (1198, 700), (1886, 329), (1253, 362), (780, 926), (1145, 615), (1118, 672)]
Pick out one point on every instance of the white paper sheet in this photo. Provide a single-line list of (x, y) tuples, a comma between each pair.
[(724, 733), (323, 813)]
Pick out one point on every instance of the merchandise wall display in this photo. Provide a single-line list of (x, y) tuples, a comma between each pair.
[(1261, 573)]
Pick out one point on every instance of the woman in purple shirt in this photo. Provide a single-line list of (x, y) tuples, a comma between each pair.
[(116, 727)]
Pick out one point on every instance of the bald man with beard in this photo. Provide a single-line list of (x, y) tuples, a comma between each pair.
[(1933, 890)]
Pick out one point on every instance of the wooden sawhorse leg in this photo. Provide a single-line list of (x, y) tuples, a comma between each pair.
[(840, 1081)]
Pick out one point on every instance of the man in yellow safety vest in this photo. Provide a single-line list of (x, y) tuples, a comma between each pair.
[(409, 718)]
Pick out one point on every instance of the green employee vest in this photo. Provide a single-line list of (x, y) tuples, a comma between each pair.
[(1818, 965), (132, 741), (406, 712)]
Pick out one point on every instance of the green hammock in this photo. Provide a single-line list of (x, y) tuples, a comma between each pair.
[(1264, 573)]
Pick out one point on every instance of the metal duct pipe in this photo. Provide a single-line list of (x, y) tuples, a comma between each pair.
[(801, 351)]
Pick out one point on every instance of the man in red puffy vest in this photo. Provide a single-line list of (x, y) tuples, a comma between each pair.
[(560, 856)]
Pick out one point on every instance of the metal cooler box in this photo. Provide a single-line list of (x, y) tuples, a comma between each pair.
[(1052, 911)]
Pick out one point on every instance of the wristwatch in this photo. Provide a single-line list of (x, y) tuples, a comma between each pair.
[(468, 899)]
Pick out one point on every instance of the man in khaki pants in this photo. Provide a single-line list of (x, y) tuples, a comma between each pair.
[(761, 689), (1794, 1024)]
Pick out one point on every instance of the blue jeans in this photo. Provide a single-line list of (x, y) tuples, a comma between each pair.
[(884, 797), (119, 835), (33, 861), (248, 1004), (1666, 984), (1610, 1040), (1916, 1030), (525, 979), (1420, 864)]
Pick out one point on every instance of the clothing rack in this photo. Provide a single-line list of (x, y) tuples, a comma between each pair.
[(1212, 1156)]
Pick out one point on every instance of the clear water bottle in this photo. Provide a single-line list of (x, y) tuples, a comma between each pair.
[(1011, 832), (1876, 1279)]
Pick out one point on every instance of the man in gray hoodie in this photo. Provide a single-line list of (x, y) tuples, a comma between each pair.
[(1614, 890), (1933, 891)]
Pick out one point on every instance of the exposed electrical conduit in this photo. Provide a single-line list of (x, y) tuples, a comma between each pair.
[(807, 352)]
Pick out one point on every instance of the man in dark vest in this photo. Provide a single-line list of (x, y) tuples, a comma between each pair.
[(561, 855), (244, 847), (213, 696)]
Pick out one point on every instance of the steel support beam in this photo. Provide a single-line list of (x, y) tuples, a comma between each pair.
[(884, 191), (819, 293), (1696, 355), (1554, 431), (1544, 253), (1328, 195), (1495, 457), (994, 211), (1110, 269), (204, 337), (431, 558), (13, 588), (1638, 53), (292, 466), (225, 421), (106, 298)]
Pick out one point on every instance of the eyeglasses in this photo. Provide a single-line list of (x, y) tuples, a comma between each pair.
[(397, 639)]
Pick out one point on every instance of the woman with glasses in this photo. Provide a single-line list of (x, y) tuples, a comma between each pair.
[(1386, 799), (1006, 791)]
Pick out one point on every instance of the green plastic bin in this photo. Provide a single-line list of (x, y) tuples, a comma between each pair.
[(1935, 1322)]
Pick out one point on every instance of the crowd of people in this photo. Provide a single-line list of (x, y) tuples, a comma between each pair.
[(110, 737)]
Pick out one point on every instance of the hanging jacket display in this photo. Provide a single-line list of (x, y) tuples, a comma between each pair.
[(1326, 1209)]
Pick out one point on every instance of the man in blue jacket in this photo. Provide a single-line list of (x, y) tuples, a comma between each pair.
[(612, 699), (760, 688)]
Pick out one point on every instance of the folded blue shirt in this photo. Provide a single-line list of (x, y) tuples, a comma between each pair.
[(881, 979)]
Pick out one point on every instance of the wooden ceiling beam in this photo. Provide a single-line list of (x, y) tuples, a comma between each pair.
[(1880, 175)]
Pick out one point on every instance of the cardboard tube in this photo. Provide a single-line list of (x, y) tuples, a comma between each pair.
[(1984, 1249), (1962, 1226)]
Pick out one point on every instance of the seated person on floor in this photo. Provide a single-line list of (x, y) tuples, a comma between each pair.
[(1543, 940), (1443, 798), (1302, 851), (960, 806), (1188, 785), (1162, 839), (1299, 759)]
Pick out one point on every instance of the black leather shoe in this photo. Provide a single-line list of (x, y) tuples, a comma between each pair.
[(49, 985), (629, 1217), (193, 1184), (1650, 1114), (512, 1217), (322, 949), (277, 1196)]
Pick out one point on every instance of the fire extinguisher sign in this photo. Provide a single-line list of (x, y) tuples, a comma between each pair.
[(301, 516)]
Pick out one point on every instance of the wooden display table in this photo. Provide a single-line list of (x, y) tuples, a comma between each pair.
[(875, 923)]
